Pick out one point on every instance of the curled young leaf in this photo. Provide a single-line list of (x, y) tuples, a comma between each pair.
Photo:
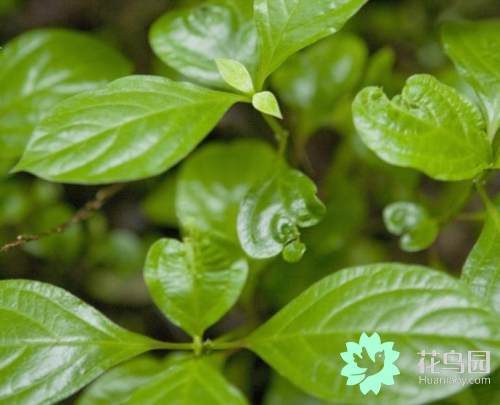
[(412, 222), (417, 308), (133, 128), (190, 40), (195, 282), (287, 26), (215, 179), (52, 344), (474, 48), (272, 213), (429, 127), (41, 68)]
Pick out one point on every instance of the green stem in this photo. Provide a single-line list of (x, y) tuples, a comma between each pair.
[(221, 345), (488, 204), (280, 133), (172, 346)]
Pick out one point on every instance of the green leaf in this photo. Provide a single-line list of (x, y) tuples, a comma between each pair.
[(41, 68), (133, 128), (414, 307), (418, 230), (188, 381), (190, 40), (272, 212), (116, 386), (287, 26), (312, 82), (215, 179), (429, 127), (482, 269), (281, 392), (474, 48), (52, 344), (235, 74), (196, 282), (266, 102)]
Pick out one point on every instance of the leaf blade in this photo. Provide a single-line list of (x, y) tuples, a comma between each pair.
[(190, 40), (474, 48), (41, 68), (188, 381), (62, 342), (288, 26), (196, 282), (126, 131), (404, 131), (388, 299)]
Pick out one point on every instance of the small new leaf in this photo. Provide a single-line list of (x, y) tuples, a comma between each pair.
[(235, 74), (60, 342), (196, 282), (412, 222), (429, 127), (266, 103), (272, 213)]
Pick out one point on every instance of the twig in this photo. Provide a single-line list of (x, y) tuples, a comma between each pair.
[(101, 197)]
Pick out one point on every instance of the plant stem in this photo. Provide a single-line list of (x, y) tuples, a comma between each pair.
[(221, 345), (173, 346), (488, 204), (280, 133), (101, 197)]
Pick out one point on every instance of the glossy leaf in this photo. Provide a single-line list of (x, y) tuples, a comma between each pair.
[(272, 212), (287, 26), (474, 47), (414, 307), (195, 282), (412, 222), (312, 82), (135, 127), (235, 74), (188, 381), (54, 343), (190, 40), (429, 127), (214, 181), (282, 392), (266, 103), (116, 386), (41, 68), (482, 269)]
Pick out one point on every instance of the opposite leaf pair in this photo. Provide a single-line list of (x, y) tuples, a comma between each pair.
[(141, 126)]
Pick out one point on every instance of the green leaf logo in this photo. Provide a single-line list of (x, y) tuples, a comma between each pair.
[(370, 363)]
